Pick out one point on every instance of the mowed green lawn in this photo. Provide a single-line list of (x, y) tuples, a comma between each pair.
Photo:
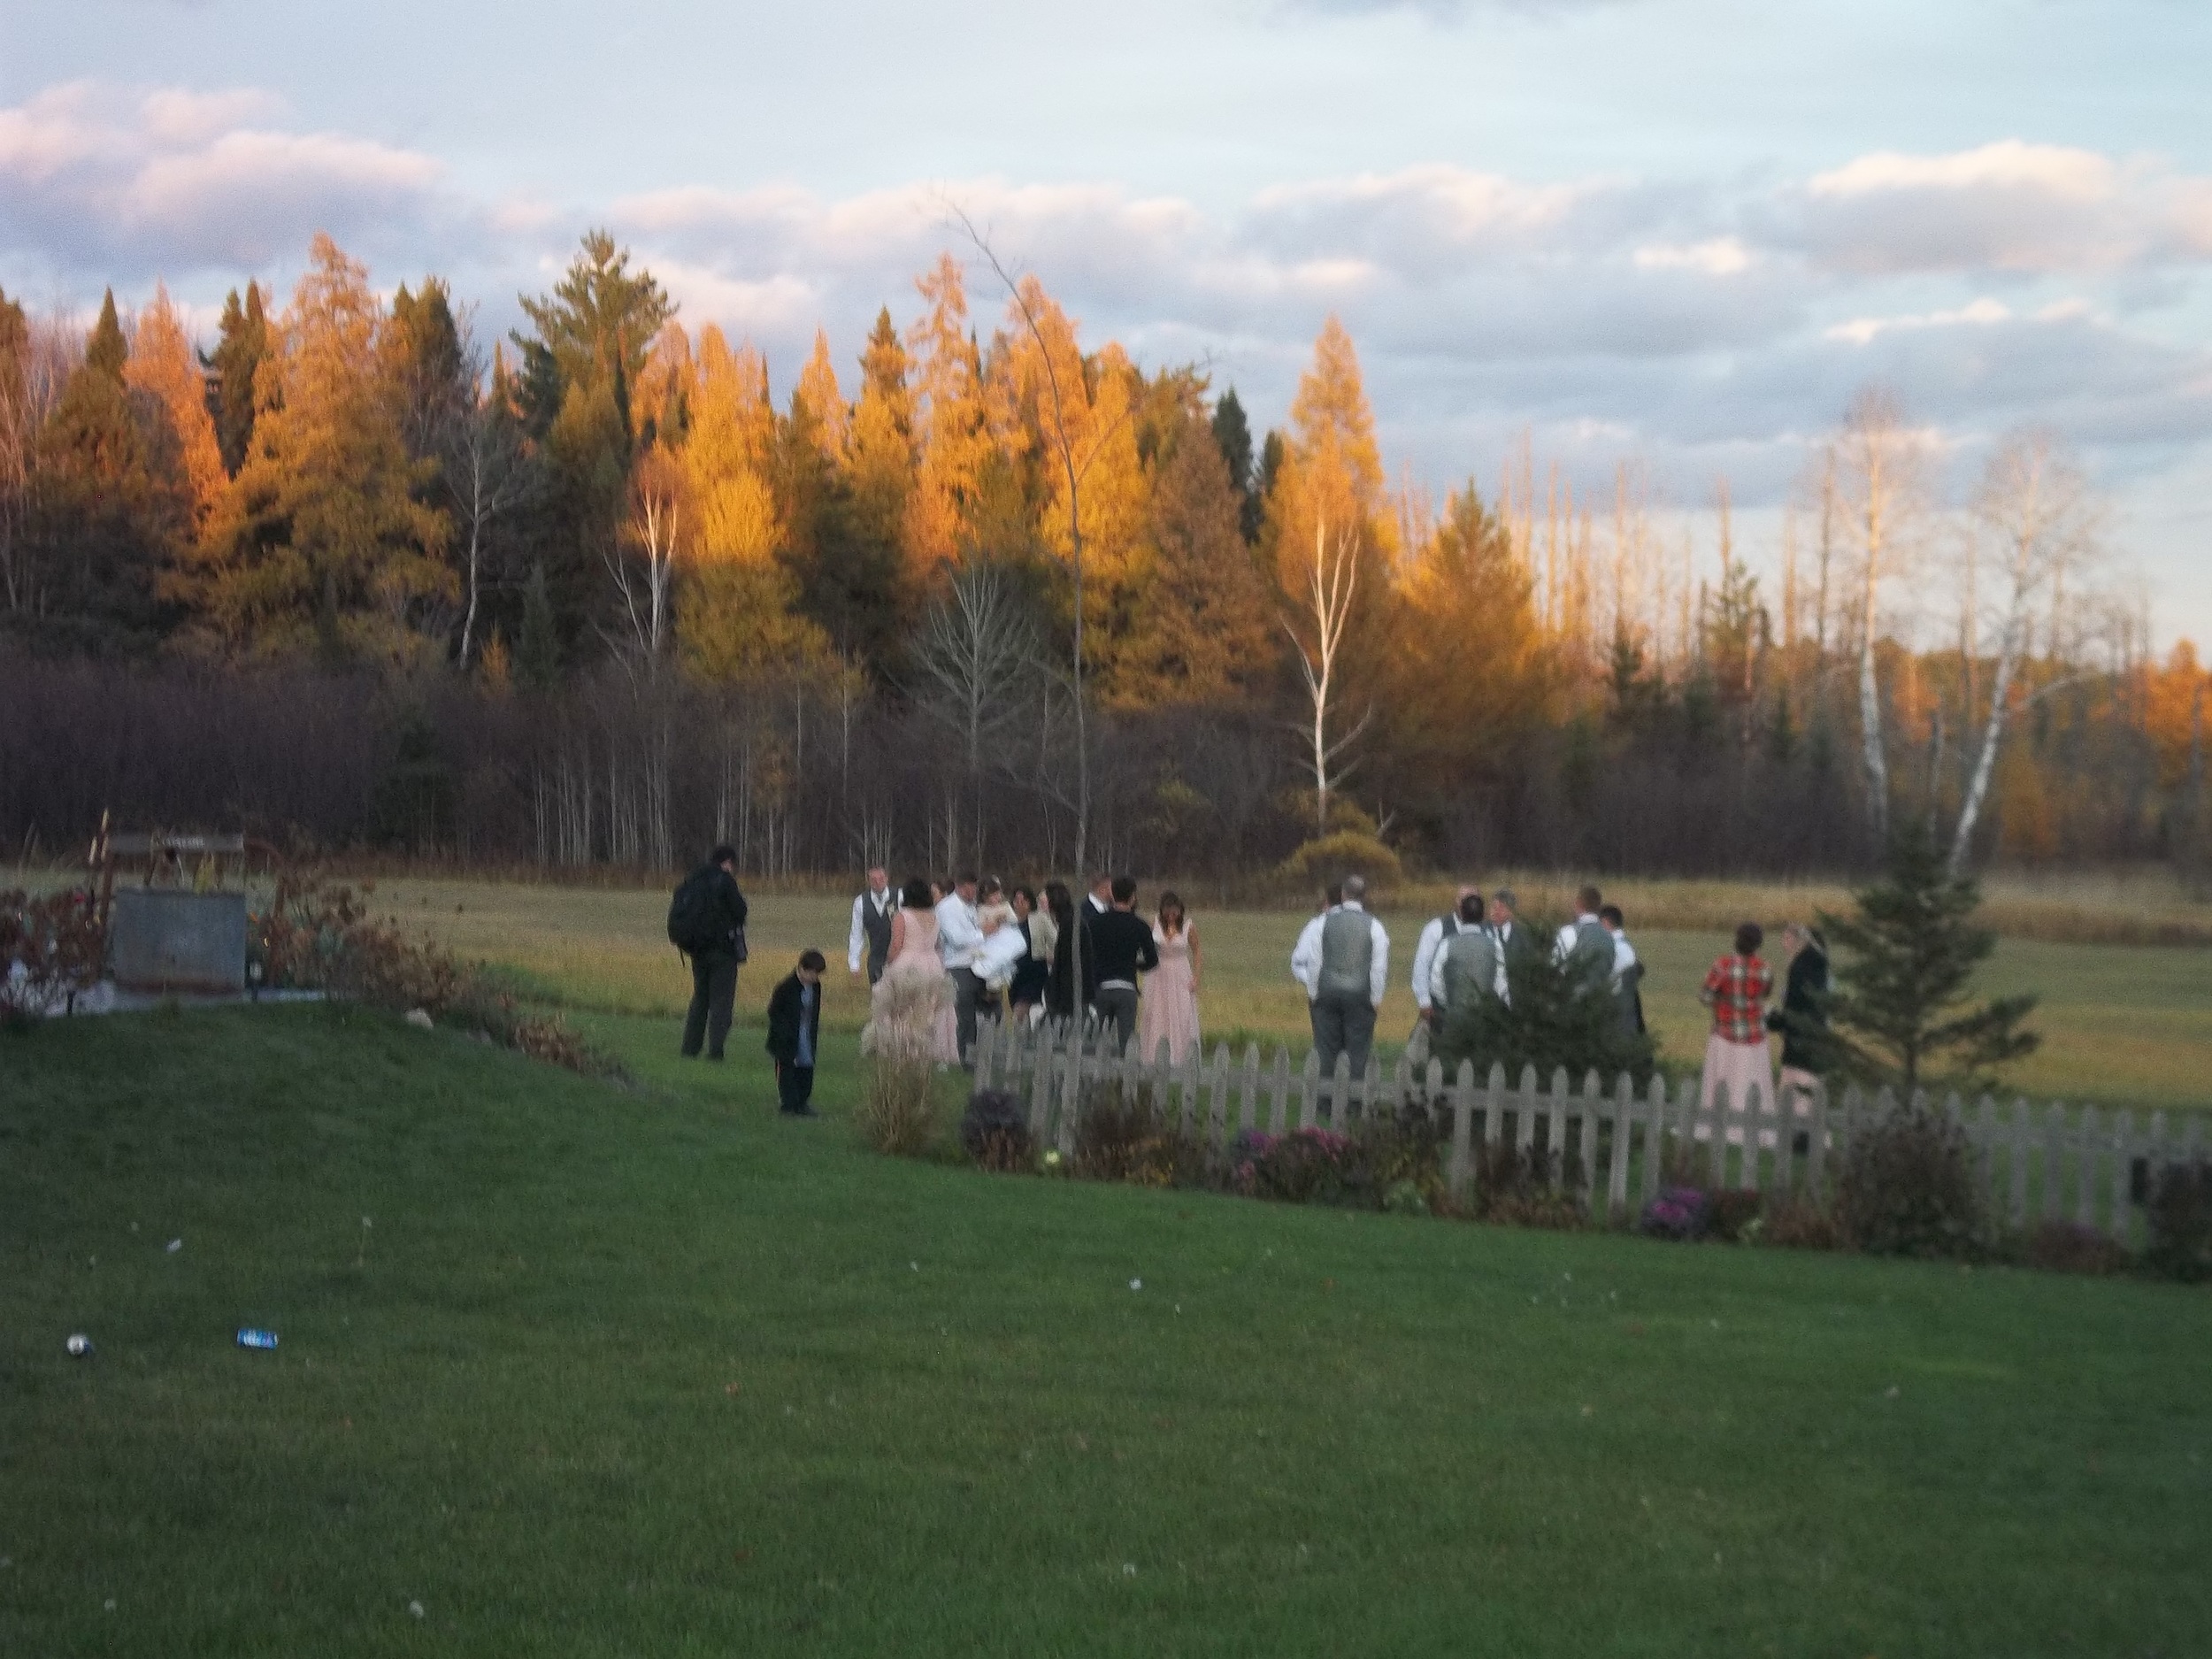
[(575, 1370), (2121, 1025)]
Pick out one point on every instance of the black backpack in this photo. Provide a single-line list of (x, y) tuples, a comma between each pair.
[(691, 913)]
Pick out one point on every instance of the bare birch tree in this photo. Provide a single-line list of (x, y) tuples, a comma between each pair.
[(655, 523), (1317, 636), (488, 475), (1882, 480), (977, 652), (2038, 512)]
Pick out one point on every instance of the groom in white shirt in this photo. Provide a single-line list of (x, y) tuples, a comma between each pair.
[(959, 943), (868, 943)]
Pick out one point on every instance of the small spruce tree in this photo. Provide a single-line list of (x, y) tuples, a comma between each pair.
[(1561, 1014), (1900, 1009)]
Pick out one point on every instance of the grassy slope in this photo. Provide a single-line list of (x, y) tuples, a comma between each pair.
[(656, 1373), (2123, 1025)]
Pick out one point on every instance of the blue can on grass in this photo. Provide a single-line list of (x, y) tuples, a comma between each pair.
[(251, 1338)]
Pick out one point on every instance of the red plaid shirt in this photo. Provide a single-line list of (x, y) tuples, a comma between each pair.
[(1741, 986)]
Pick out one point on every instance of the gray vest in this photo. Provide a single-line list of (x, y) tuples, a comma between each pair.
[(1348, 954), (876, 928), (1593, 954), (1470, 967)]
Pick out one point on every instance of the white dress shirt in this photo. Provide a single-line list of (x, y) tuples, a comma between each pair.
[(1563, 947), (1305, 961), (959, 937), (1305, 958), (1425, 950), (1623, 957), (1503, 934), (857, 941)]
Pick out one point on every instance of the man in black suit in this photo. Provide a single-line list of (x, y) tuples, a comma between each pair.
[(794, 1028), (1123, 943)]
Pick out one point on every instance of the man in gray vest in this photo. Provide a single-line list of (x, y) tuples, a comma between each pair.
[(1466, 967), (1433, 938), (869, 941), (1585, 944), (1344, 964)]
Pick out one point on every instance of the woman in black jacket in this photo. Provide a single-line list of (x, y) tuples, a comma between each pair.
[(1803, 1019)]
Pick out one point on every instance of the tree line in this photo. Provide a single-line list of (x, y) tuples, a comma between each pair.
[(595, 594)]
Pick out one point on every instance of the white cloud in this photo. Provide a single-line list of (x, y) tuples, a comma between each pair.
[(2008, 206), (1721, 256), (126, 187)]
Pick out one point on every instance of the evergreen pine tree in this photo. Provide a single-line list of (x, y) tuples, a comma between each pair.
[(1559, 1014), (243, 340), (1233, 433), (537, 662), (1899, 1007)]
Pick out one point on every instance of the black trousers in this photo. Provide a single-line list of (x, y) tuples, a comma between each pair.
[(967, 996), (795, 1085), (1343, 1023), (1116, 1006), (713, 990)]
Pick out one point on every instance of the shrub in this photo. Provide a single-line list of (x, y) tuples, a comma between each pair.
[(50, 948), (1907, 1189), (1559, 1014), (1311, 1166), (1520, 1187), (1734, 1214), (318, 935), (1405, 1149), (1680, 1213), (1800, 1221), (994, 1130), (2180, 1218), (898, 1109), (2067, 1247), (1343, 852), (1123, 1136)]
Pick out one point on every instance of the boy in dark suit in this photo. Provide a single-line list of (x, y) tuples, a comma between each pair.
[(795, 1026)]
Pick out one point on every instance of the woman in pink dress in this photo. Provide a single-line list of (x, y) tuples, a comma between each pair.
[(910, 1014), (1169, 1011), (1737, 989)]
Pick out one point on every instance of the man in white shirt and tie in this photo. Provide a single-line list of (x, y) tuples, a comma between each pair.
[(1433, 937), (1344, 964), (959, 943), (868, 943)]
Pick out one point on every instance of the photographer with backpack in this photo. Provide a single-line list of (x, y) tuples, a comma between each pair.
[(706, 921)]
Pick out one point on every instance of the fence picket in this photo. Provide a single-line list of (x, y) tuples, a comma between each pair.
[(1463, 1108), (1053, 1067), (2123, 1142), (2085, 1169), (1040, 1084), (1617, 1178)]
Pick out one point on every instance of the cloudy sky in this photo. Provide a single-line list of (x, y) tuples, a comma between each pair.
[(1678, 232)]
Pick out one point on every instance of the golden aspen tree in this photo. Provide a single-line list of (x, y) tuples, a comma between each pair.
[(817, 390), (725, 454), (170, 395), (320, 544), (950, 419), (736, 616)]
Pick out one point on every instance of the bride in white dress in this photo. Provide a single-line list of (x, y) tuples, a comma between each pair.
[(910, 1014)]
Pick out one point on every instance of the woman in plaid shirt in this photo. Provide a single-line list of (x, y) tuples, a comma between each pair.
[(1737, 989)]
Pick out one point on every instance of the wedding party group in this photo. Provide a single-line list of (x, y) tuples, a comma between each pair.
[(942, 957)]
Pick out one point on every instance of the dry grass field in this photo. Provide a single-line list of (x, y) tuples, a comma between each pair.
[(2125, 1020), (2123, 1025)]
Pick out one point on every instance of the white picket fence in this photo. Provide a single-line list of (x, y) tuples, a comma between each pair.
[(2035, 1164)]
